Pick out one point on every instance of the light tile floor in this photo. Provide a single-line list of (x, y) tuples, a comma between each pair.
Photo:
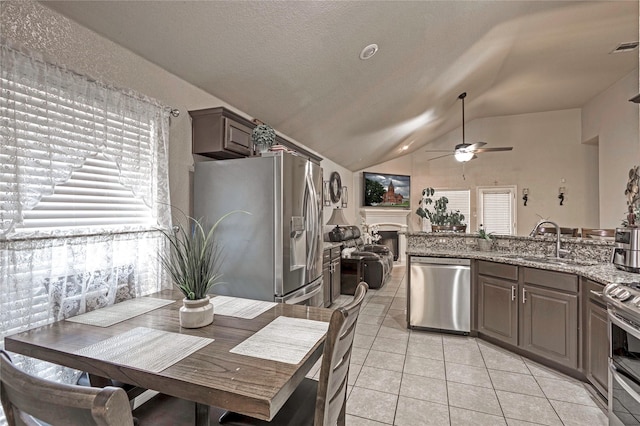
[(408, 377)]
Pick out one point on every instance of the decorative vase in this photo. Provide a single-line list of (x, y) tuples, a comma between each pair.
[(196, 313), (484, 245)]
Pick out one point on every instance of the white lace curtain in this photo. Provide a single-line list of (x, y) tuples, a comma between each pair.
[(52, 121)]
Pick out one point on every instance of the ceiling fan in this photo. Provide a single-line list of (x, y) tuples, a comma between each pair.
[(464, 152)]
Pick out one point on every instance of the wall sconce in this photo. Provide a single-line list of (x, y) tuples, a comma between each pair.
[(561, 192), (344, 198), (525, 195), (325, 193)]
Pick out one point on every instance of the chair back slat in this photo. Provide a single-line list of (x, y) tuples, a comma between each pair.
[(25, 397), (332, 386)]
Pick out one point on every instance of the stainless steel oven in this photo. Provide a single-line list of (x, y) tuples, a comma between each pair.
[(624, 369), (623, 310)]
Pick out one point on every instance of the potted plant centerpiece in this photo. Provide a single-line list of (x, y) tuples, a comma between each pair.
[(485, 239), (263, 137), (440, 219), (193, 264)]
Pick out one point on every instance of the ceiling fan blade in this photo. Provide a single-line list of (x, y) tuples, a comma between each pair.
[(440, 156), (474, 146), (438, 150), (502, 148)]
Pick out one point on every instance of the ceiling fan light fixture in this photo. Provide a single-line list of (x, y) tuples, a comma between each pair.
[(462, 155)]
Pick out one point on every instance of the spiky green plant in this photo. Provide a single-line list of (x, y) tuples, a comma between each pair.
[(483, 234), (194, 258)]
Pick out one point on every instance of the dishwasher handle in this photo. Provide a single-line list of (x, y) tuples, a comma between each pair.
[(439, 261)]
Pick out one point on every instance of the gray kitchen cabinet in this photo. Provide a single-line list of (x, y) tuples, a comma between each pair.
[(219, 133), (533, 309), (222, 134), (549, 322), (596, 341), (498, 308), (331, 274)]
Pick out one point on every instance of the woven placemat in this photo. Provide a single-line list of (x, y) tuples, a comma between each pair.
[(106, 317), (284, 339), (145, 348), (239, 307)]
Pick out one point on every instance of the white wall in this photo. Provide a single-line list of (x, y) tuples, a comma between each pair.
[(63, 41), (612, 121), (346, 176), (547, 148)]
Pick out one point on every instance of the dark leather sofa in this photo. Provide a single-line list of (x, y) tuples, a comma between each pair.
[(378, 259)]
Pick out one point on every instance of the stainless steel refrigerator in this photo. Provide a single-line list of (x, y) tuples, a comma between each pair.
[(276, 252)]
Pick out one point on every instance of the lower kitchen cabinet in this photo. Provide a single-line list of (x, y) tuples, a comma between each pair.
[(498, 308), (331, 274), (596, 342), (535, 310), (550, 324)]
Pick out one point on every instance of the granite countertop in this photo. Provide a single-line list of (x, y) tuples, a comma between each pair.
[(330, 245), (603, 273)]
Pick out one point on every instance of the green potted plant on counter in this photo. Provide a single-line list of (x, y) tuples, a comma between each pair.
[(485, 239), (193, 264), (440, 219)]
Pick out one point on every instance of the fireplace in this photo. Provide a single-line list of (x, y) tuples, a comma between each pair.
[(392, 226), (390, 239)]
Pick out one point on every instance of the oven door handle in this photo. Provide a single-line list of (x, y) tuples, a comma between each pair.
[(620, 379), (626, 327)]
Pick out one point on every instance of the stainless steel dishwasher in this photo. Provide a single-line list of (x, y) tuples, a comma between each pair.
[(439, 294)]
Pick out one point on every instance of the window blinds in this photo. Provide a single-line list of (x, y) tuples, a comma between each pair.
[(459, 199), (92, 198), (497, 211)]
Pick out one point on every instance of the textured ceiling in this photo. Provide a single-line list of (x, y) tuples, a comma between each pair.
[(295, 65)]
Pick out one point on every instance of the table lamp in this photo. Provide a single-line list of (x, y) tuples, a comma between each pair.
[(337, 218)]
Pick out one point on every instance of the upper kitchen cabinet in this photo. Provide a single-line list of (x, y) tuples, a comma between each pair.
[(220, 133)]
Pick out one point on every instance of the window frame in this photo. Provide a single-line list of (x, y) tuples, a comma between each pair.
[(512, 190)]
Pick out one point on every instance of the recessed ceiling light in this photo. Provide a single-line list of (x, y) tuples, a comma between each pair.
[(368, 51)]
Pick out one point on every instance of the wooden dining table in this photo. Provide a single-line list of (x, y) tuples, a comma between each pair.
[(211, 376)]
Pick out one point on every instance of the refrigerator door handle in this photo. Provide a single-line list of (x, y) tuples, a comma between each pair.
[(315, 217)]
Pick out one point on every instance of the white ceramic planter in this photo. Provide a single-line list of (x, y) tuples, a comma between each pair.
[(196, 313)]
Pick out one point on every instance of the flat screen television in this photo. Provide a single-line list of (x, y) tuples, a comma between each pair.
[(386, 190)]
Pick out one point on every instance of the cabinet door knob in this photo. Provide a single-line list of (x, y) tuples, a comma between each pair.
[(524, 295), (513, 293)]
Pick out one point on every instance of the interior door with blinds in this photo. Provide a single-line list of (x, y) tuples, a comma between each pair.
[(497, 209)]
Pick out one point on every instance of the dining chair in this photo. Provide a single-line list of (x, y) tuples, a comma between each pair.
[(26, 398), (590, 233), (314, 402)]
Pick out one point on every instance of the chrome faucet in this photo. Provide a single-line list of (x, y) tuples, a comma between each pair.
[(559, 251)]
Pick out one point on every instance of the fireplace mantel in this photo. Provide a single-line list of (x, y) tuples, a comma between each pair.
[(386, 216), (390, 220)]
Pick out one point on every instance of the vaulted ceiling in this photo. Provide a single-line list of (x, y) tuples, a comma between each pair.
[(296, 66)]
